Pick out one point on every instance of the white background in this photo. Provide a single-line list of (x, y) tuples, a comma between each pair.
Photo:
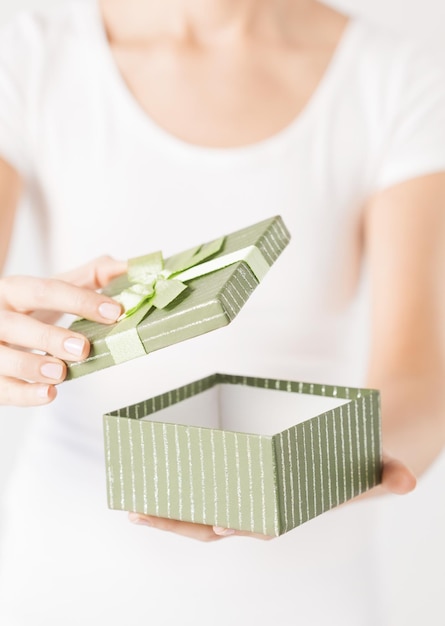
[(424, 19)]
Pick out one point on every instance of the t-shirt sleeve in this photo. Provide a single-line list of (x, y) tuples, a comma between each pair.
[(414, 143), (17, 67)]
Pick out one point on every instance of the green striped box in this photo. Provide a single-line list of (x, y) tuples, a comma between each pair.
[(210, 302), (251, 454)]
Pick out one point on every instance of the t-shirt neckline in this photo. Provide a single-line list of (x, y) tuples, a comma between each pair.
[(267, 145)]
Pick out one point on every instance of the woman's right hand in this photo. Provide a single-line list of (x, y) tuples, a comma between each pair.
[(29, 307)]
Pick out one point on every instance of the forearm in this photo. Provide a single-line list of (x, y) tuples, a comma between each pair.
[(413, 418), (10, 189), (404, 236)]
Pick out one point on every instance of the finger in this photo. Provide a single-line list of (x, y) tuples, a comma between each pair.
[(199, 532), (191, 530), (96, 274), (31, 367), (28, 332), (26, 294), (229, 532), (19, 393), (396, 477)]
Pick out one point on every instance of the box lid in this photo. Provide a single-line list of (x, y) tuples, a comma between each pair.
[(188, 294)]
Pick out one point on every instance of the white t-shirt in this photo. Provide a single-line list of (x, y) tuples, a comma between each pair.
[(103, 178)]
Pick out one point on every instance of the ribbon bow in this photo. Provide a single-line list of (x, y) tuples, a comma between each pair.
[(155, 283), (158, 283)]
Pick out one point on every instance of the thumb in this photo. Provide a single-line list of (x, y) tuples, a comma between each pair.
[(95, 274), (396, 477)]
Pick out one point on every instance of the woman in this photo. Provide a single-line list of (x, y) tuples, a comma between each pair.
[(136, 125)]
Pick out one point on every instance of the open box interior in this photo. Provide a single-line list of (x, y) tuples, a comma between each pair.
[(246, 409)]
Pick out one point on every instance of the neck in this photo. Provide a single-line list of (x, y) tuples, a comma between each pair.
[(204, 20)]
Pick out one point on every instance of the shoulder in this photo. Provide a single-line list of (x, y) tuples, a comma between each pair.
[(399, 86), (392, 78), (32, 33), (392, 61), (39, 50)]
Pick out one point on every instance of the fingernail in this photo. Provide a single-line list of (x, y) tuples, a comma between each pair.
[(43, 391), (52, 370), (74, 346), (223, 532), (142, 521), (110, 311)]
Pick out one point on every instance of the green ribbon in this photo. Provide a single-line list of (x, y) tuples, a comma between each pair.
[(155, 283)]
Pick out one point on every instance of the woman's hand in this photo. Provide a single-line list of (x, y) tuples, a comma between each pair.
[(396, 479), (200, 532), (28, 309)]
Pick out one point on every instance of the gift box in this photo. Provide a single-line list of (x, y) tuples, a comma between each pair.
[(252, 454), (186, 295)]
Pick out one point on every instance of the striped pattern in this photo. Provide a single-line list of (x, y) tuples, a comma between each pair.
[(209, 303), (257, 483)]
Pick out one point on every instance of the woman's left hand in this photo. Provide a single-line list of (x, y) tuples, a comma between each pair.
[(396, 479), (201, 532)]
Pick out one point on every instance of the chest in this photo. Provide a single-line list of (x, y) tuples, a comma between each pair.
[(222, 97), (114, 182)]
